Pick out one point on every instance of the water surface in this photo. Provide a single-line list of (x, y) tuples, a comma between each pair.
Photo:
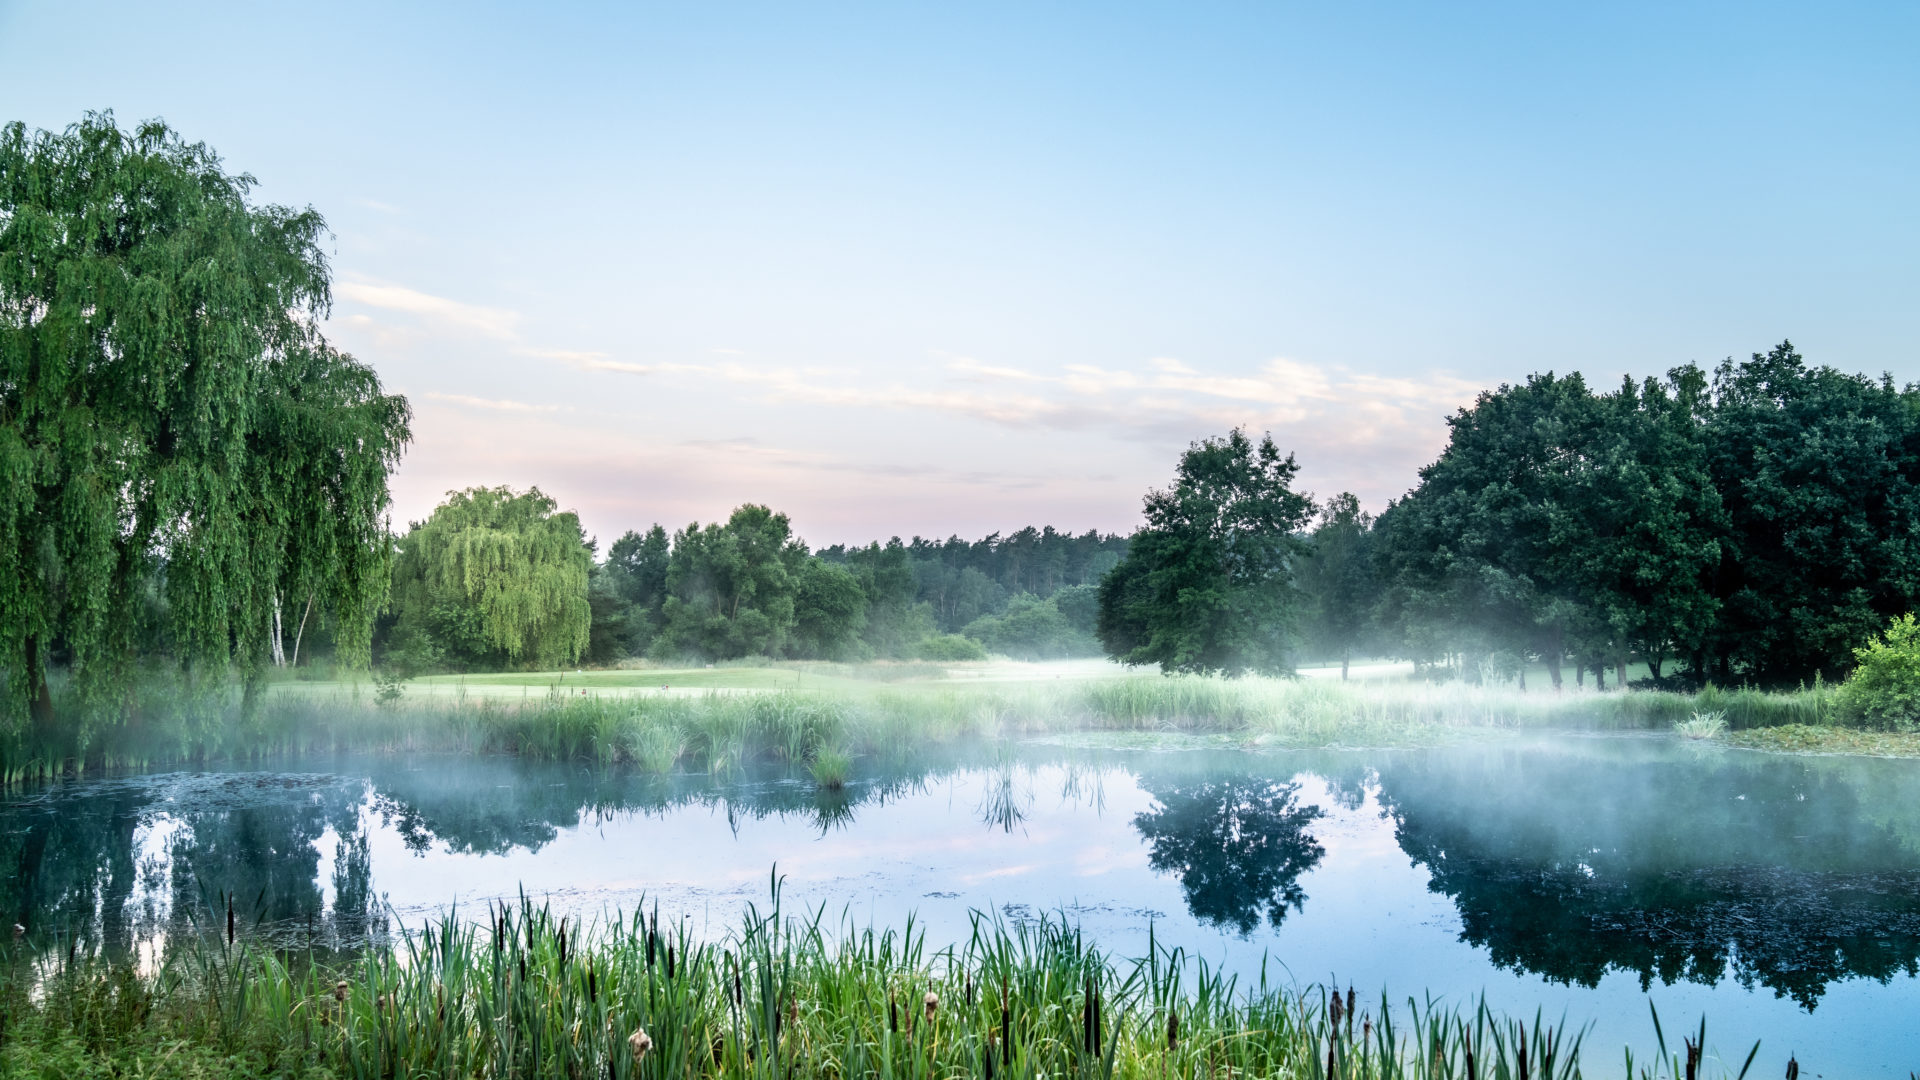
[(1779, 896)]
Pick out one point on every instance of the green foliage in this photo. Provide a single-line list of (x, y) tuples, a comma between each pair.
[(1819, 472), (731, 587), (532, 994), (633, 594), (949, 648), (183, 452), (1339, 581), (495, 578), (1883, 691), (895, 619), (1036, 629), (1755, 526), (829, 611), (1208, 584)]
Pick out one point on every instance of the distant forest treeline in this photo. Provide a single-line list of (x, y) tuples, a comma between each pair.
[(733, 589)]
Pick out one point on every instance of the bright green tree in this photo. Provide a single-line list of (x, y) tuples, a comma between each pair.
[(174, 421), (1884, 688), (495, 578), (1208, 584)]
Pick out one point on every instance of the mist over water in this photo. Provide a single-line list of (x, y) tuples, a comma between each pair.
[(1779, 896)]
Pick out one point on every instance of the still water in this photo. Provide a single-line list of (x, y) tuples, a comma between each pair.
[(1777, 896)]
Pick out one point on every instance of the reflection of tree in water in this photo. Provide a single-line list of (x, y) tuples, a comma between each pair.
[(1239, 845), (1571, 862), (73, 854)]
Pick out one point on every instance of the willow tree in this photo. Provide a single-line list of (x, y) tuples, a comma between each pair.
[(496, 577), (173, 418)]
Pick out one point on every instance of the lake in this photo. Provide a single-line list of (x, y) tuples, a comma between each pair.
[(1580, 875)]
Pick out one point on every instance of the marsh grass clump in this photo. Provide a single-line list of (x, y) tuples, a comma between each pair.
[(524, 992), (1707, 725), (831, 767)]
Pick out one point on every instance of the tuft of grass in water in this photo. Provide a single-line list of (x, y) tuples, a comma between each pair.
[(1702, 725), (830, 767), (524, 993)]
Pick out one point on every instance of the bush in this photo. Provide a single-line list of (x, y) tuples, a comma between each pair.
[(949, 647), (1884, 690)]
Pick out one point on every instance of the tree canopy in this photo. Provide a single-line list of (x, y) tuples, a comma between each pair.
[(175, 422), (1208, 584), (494, 578)]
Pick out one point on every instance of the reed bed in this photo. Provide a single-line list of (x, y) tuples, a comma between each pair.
[(720, 731), (522, 993)]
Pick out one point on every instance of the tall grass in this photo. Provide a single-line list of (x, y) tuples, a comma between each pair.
[(721, 731), (526, 994)]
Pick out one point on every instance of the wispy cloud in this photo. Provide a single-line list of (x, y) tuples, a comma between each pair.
[(496, 404), (1168, 397), (490, 322)]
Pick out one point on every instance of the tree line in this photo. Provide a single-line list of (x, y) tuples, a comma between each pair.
[(496, 578)]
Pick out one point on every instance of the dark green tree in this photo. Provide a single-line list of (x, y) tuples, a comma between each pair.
[(1819, 473), (896, 620), (1339, 581), (629, 593), (177, 430), (731, 587), (829, 611), (1208, 584), (495, 578)]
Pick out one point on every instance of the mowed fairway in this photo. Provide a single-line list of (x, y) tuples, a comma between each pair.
[(843, 679)]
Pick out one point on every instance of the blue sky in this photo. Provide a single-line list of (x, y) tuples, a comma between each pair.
[(923, 269)]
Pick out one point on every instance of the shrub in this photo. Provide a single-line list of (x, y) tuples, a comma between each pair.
[(1884, 690), (949, 647)]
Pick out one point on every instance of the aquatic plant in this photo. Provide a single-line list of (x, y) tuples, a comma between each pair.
[(1702, 725), (830, 767), (522, 992)]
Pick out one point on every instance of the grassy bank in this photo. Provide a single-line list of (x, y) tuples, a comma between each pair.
[(524, 995), (717, 730)]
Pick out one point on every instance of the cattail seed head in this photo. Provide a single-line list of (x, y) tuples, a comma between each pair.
[(340, 990), (639, 1042), (932, 1003)]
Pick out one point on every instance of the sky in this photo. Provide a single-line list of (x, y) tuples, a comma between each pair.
[(901, 269)]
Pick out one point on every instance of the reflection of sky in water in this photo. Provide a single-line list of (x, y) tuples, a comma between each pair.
[(1083, 835)]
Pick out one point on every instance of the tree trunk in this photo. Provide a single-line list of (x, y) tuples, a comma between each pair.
[(1620, 672), (1600, 677), (276, 644), (1654, 663), (297, 634), (39, 694), (1553, 670), (1344, 658), (1579, 676)]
